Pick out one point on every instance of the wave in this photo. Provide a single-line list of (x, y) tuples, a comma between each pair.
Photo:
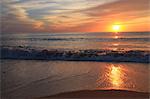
[(77, 39), (74, 55)]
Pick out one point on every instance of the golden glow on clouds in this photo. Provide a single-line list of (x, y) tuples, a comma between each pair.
[(75, 15), (39, 25)]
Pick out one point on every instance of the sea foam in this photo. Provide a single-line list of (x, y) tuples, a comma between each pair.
[(74, 55)]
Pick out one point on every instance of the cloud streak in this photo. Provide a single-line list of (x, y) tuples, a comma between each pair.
[(71, 15)]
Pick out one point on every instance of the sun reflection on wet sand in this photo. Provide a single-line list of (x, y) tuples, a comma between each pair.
[(118, 76), (115, 76)]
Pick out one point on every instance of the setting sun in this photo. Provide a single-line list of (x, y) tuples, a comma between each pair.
[(116, 28)]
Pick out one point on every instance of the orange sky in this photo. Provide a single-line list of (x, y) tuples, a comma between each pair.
[(74, 15)]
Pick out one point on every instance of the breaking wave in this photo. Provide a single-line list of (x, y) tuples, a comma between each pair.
[(74, 55)]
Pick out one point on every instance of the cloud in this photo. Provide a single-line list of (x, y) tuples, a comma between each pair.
[(69, 15), (15, 19), (125, 12), (127, 8)]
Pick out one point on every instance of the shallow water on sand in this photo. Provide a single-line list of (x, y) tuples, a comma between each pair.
[(31, 78)]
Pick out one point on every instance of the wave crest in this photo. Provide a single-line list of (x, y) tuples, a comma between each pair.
[(74, 55)]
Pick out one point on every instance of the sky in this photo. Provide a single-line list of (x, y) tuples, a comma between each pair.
[(74, 15)]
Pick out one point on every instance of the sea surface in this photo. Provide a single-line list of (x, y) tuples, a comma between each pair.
[(78, 41), (36, 64)]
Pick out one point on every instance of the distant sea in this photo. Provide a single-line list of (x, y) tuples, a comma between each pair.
[(79, 41)]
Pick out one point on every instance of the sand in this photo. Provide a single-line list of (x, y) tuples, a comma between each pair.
[(100, 94)]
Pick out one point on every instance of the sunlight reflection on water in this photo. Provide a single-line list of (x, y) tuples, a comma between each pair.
[(31, 77), (115, 75)]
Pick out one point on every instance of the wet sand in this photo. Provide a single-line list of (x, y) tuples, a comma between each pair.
[(30, 79), (99, 94)]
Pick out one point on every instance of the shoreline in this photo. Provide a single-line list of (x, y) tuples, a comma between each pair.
[(99, 94), (76, 60)]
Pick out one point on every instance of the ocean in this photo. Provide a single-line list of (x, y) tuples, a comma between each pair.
[(78, 41), (42, 64)]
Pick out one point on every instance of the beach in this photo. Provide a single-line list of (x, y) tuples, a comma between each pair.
[(100, 94), (33, 79)]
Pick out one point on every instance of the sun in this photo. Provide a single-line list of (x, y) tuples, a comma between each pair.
[(116, 28)]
